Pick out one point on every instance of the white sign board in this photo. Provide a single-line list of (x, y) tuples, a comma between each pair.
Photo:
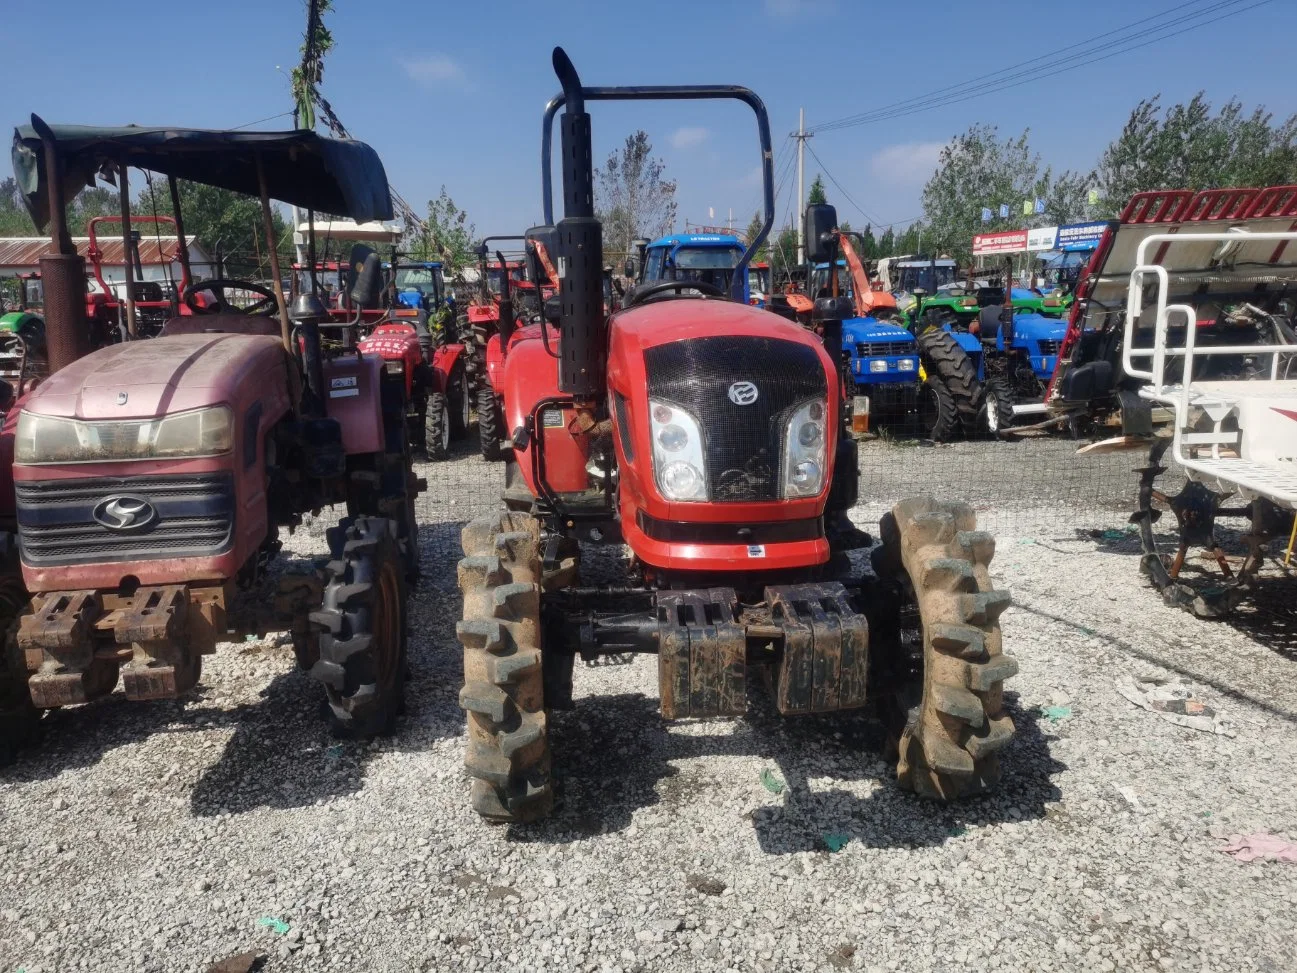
[(1042, 238)]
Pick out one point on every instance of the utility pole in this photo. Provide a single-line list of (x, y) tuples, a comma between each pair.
[(801, 136)]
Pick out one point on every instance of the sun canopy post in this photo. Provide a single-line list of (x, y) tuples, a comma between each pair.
[(273, 246), (186, 273), (128, 265)]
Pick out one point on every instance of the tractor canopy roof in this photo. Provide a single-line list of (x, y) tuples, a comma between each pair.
[(691, 240), (923, 262), (341, 177), (1199, 267)]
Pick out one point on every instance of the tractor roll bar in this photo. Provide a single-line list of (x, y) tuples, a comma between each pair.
[(668, 93)]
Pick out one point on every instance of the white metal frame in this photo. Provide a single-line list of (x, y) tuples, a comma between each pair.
[(1218, 401)]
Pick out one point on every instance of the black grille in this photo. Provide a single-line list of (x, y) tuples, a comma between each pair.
[(880, 349), (193, 517), (742, 443), (623, 426), (1049, 346)]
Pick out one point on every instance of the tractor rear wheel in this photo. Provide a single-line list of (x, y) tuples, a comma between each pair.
[(362, 622), (938, 418), (997, 405), (508, 752), (943, 358), (19, 719), (437, 427), (944, 676), (490, 423)]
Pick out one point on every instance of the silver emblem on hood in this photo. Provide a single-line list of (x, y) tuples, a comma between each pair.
[(122, 397), (743, 393), (124, 513)]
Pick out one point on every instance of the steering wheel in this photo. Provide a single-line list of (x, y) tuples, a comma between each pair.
[(268, 306), (641, 294)]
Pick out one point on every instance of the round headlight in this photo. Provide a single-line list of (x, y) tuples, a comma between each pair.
[(809, 433), (816, 411), (673, 438), (682, 479), (806, 473), (661, 413)]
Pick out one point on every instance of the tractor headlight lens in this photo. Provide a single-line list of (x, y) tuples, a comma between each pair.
[(677, 453), (906, 364), (878, 365), (804, 445), (394, 367), (48, 439)]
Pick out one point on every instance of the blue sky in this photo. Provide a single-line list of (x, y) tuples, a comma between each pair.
[(452, 93)]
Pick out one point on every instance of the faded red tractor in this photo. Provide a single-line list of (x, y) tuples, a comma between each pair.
[(152, 478), (705, 434)]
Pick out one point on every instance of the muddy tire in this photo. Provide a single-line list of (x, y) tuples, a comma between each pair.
[(490, 424), (436, 424), (945, 360), (997, 406), (946, 671), (362, 623), (19, 719), (938, 417), (459, 404), (508, 753)]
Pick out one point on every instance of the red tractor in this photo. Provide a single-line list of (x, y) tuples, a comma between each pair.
[(706, 435), (151, 480), (152, 305), (402, 325)]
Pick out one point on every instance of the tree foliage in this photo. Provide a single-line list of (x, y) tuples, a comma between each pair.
[(634, 198), (448, 236), (227, 224), (1186, 146), (979, 170), (816, 194)]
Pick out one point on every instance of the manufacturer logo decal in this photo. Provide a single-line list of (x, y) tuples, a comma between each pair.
[(124, 513), (743, 393), (121, 398)]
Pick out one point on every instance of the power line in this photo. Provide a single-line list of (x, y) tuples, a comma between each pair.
[(1081, 56), (839, 185), (268, 118)]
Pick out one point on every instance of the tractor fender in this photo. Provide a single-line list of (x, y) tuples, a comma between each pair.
[(353, 397), (528, 376), (483, 313), (494, 360), (444, 360)]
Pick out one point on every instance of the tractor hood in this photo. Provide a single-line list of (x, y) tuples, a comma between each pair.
[(160, 376), (1037, 327), (860, 330), (665, 321)]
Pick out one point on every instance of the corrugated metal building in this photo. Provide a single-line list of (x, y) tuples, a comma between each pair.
[(21, 255)]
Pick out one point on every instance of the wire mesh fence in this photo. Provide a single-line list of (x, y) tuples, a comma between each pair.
[(1033, 487)]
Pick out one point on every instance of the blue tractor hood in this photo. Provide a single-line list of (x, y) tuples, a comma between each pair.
[(857, 330), (1037, 327)]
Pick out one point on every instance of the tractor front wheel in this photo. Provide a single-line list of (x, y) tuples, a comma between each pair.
[(997, 403), (944, 359), (490, 423), (938, 417), (436, 422), (943, 668), (362, 623), (508, 753)]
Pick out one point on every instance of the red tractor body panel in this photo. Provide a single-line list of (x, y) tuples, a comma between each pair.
[(355, 400), (444, 360), (483, 313), (395, 341), (530, 375)]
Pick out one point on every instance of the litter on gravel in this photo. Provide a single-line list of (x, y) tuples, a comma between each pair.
[(1261, 846), (1175, 703), (771, 783)]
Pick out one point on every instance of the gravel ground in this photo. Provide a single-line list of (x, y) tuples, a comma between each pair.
[(145, 837)]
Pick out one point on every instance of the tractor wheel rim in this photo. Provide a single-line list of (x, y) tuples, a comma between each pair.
[(992, 412), (445, 433), (387, 626), (465, 406)]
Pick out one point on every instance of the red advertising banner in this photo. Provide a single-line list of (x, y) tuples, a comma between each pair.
[(1008, 241)]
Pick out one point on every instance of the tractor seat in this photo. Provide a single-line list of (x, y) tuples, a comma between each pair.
[(230, 322)]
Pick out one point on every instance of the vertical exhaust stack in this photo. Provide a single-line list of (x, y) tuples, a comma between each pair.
[(63, 273), (582, 338)]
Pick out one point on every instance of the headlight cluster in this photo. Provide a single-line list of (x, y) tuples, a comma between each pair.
[(804, 438), (677, 453), (47, 439), (906, 364)]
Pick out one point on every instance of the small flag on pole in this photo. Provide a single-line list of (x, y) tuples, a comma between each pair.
[(1040, 205), (1004, 211), (986, 214), (1092, 197)]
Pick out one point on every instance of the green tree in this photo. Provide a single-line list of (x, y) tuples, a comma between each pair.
[(754, 227), (14, 220), (1187, 147), (816, 195), (227, 224), (887, 243), (979, 170), (91, 202), (448, 235), (783, 254), (634, 198)]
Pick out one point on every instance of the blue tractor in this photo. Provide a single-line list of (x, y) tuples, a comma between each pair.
[(709, 258)]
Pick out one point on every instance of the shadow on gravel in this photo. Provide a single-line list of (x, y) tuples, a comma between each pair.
[(614, 757)]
